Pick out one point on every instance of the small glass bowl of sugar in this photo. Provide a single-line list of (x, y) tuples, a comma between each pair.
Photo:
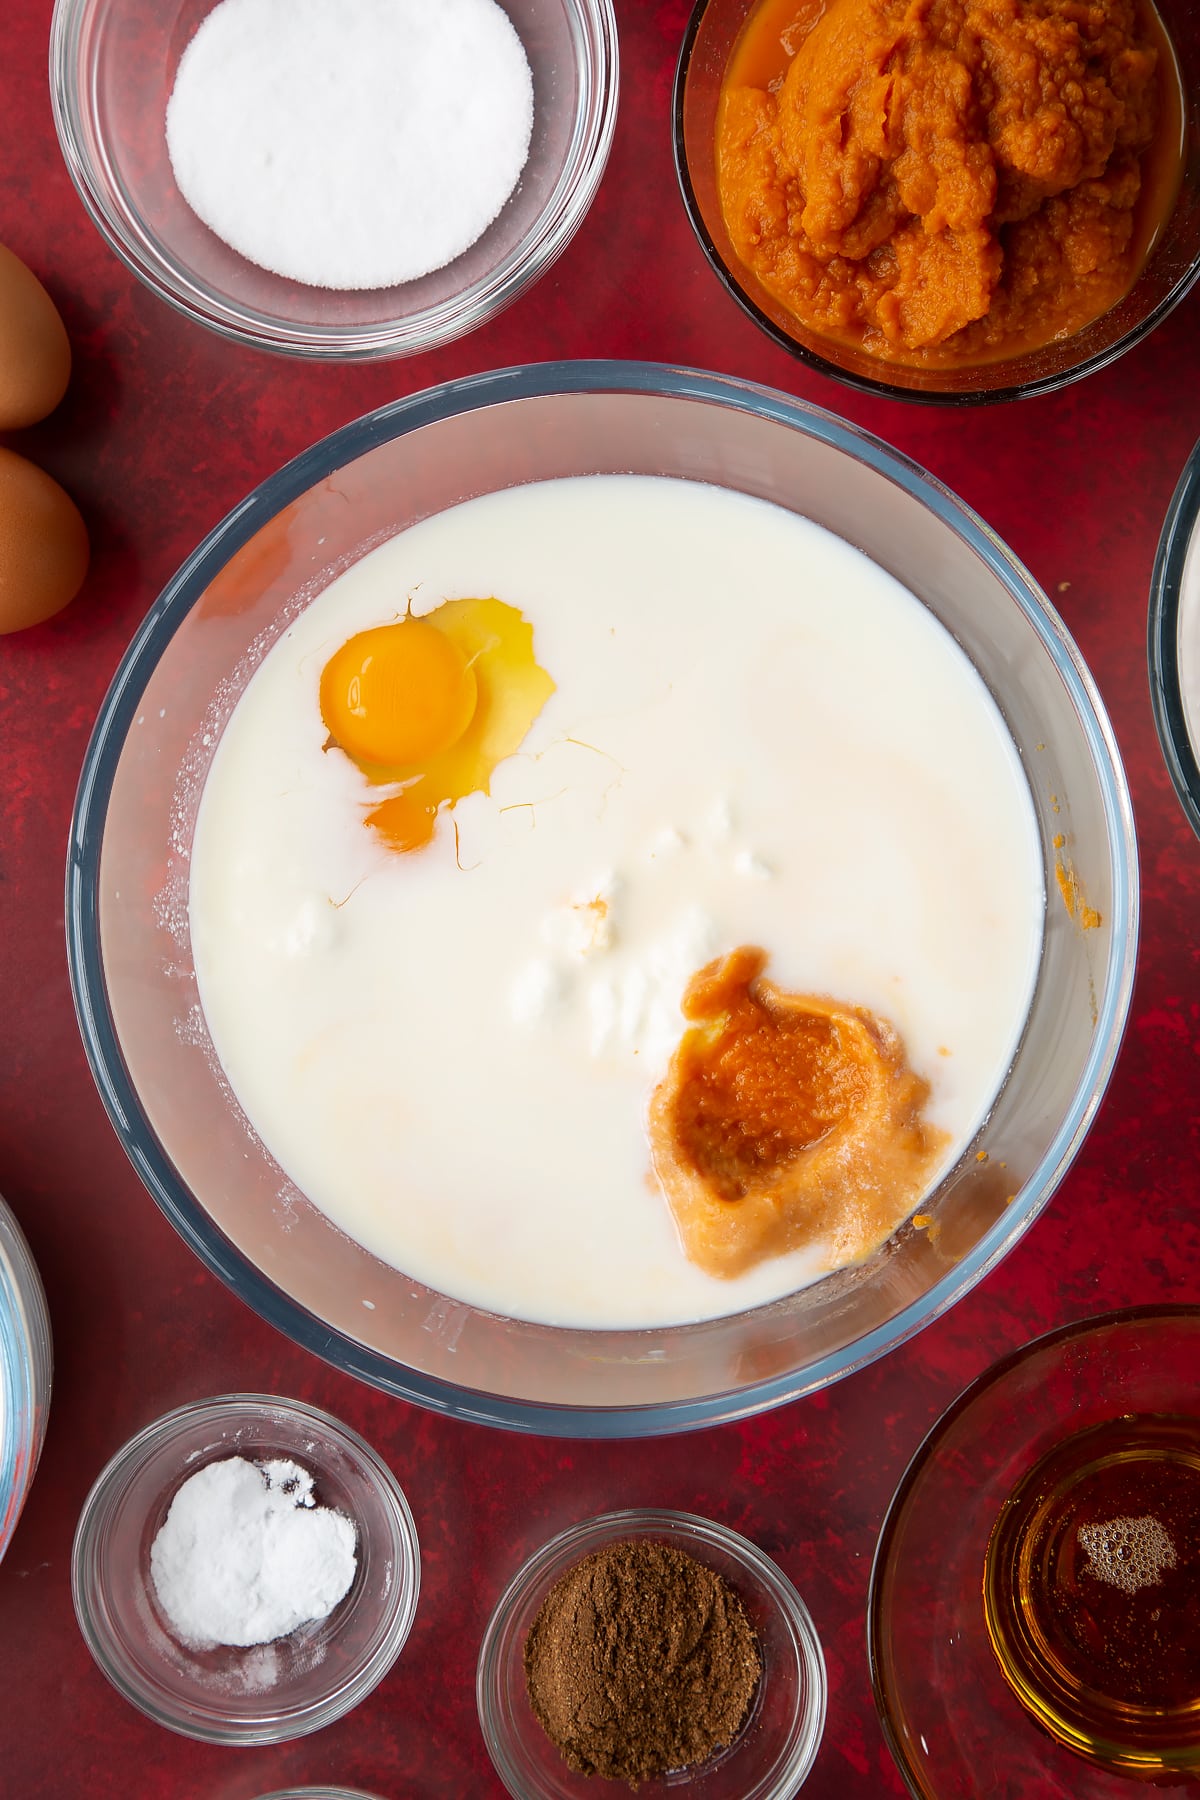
[(245, 1570), (336, 178)]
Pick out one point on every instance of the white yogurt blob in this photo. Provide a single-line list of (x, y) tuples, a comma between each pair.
[(758, 737)]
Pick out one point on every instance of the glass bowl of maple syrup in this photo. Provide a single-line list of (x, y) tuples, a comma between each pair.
[(1035, 1590)]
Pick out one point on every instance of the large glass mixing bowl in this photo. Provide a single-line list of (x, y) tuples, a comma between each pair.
[(129, 948)]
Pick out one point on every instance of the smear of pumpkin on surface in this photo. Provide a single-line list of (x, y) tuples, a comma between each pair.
[(1068, 886)]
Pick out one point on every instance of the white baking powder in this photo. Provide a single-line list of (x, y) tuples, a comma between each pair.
[(245, 1555), (351, 143)]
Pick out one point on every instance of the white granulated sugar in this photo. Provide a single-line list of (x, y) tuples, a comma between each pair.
[(245, 1555), (351, 143)]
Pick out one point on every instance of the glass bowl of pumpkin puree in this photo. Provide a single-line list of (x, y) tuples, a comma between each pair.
[(953, 203)]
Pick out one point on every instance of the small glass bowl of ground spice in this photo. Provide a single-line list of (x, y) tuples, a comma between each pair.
[(245, 1570), (656, 1651), (336, 178), (1057, 225)]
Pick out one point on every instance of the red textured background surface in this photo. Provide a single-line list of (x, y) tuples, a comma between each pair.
[(164, 429)]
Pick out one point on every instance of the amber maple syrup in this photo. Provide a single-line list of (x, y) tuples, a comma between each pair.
[(1092, 1593)]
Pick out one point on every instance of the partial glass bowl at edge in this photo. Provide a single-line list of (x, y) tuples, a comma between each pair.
[(776, 1748), (25, 1371), (112, 68), (1173, 640), (128, 943)]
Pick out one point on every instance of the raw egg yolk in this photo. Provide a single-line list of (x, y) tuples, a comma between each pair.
[(427, 708), (398, 694)]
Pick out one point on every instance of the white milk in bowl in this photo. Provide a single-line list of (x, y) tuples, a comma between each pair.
[(737, 731)]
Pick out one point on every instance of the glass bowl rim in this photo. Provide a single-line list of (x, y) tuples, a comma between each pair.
[(1180, 529), (597, 60), (320, 1791), (869, 384), (991, 1377), (278, 1726), (119, 707), (568, 1546)]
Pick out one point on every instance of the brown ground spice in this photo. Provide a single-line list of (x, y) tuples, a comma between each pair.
[(640, 1660)]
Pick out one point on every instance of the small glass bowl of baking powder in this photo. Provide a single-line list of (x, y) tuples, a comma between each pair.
[(113, 69), (262, 1693), (777, 1745)]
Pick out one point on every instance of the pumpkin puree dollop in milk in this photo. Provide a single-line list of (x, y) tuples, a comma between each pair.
[(945, 181), (784, 1120)]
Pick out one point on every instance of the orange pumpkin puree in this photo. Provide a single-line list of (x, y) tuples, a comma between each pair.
[(947, 182), (786, 1120)]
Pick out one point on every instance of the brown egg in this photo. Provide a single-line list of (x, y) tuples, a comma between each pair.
[(35, 357), (43, 544)]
